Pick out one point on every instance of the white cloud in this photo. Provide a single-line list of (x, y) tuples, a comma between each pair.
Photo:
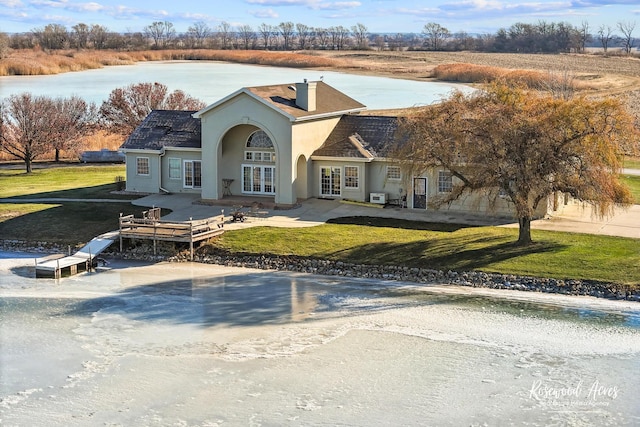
[(264, 13)]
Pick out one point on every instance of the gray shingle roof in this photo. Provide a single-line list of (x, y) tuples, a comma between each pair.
[(165, 128), (328, 99), (357, 136)]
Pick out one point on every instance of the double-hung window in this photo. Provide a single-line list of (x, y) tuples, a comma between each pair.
[(175, 167)]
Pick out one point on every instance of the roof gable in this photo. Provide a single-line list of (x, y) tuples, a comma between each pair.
[(165, 128), (282, 98), (358, 136)]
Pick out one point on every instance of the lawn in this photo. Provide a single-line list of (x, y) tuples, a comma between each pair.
[(448, 247), (633, 182), (356, 240), (66, 182)]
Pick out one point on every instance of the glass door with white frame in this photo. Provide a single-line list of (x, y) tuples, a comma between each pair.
[(330, 181), (257, 179)]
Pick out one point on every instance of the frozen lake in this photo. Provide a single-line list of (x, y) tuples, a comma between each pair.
[(211, 81), (199, 345)]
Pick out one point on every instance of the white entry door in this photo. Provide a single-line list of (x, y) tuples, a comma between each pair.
[(258, 179)]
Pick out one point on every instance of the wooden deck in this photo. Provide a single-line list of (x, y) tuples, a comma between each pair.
[(150, 227)]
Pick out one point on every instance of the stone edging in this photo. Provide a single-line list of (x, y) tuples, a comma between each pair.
[(476, 279)]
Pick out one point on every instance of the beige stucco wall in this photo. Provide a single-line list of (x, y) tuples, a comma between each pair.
[(225, 129), (217, 122)]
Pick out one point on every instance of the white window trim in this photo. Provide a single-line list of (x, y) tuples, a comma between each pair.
[(184, 178), (138, 166), (341, 186), (180, 167), (346, 178), (399, 178), (440, 181)]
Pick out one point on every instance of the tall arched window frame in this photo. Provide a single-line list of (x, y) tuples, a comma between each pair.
[(259, 148)]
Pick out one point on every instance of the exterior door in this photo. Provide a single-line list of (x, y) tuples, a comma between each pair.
[(419, 193), (192, 174), (330, 181), (258, 179)]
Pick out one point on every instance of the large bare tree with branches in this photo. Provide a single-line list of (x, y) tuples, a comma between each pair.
[(506, 142), (128, 106)]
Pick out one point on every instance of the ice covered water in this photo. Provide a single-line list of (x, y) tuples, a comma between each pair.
[(187, 344)]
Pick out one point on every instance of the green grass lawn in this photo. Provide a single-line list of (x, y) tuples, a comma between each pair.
[(357, 240), (633, 182), (71, 223), (95, 182), (438, 246)]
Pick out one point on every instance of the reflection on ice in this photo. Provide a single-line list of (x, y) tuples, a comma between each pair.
[(189, 344)]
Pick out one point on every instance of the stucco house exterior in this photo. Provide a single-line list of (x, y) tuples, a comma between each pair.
[(283, 143)]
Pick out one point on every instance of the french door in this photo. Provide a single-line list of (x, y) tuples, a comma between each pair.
[(330, 181), (258, 179), (192, 174)]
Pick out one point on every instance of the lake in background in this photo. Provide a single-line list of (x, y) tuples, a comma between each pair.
[(211, 81)]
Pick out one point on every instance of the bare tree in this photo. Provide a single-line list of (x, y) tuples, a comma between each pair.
[(224, 33), (52, 36), (605, 35), (98, 36), (304, 34), (361, 36), (198, 33), (323, 37), (626, 28), (247, 36), (81, 35), (161, 32), (25, 128), (435, 35), (583, 36), (71, 119), (266, 33), (338, 36), (287, 33), (128, 106)]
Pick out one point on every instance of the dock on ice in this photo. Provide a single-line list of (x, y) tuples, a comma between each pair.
[(78, 262)]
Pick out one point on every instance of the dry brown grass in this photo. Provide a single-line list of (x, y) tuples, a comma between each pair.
[(38, 62), (100, 140)]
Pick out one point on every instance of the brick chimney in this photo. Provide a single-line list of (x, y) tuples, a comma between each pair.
[(306, 95)]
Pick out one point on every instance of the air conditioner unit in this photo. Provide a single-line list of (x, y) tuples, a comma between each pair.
[(378, 198)]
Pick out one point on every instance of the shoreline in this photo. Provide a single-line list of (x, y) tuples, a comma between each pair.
[(421, 276)]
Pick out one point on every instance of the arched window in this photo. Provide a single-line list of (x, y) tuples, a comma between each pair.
[(259, 148), (259, 139)]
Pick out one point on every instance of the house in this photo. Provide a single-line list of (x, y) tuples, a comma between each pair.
[(284, 143)]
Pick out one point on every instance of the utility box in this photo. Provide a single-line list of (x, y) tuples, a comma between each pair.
[(378, 198)]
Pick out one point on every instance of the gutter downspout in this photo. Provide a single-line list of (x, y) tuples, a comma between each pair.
[(160, 156)]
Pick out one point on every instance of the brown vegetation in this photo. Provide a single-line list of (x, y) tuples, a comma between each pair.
[(38, 62)]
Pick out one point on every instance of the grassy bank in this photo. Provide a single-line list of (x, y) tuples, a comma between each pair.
[(447, 247), (356, 240), (70, 181)]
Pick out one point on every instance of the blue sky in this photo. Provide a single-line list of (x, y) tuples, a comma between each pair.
[(472, 16)]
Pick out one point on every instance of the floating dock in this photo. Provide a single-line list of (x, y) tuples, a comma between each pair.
[(78, 262)]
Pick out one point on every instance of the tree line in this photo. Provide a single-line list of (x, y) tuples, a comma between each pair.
[(32, 126), (541, 37)]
